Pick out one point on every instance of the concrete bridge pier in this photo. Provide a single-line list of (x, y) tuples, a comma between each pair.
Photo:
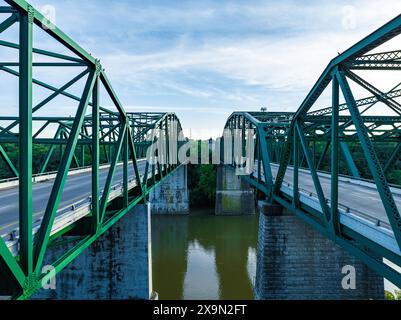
[(295, 262), (171, 195), (234, 196), (116, 266)]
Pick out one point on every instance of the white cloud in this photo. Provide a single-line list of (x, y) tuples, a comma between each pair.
[(219, 55), (290, 64)]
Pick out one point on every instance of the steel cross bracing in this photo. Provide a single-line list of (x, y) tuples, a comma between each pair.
[(141, 125), (307, 161), (108, 136)]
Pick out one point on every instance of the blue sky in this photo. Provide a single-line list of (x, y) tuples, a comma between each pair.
[(206, 59)]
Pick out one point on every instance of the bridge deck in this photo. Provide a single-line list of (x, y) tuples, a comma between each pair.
[(360, 206), (359, 196)]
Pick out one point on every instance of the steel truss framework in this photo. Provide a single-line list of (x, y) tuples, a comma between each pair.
[(120, 135), (289, 140), (143, 125)]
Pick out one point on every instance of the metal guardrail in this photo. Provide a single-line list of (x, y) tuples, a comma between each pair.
[(378, 222), (347, 209)]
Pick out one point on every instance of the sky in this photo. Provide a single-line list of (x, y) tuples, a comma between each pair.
[(206, 59)]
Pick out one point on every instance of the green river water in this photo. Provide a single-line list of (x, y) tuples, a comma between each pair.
[(203, 256)]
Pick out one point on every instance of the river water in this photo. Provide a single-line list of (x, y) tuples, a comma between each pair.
[(203, 256)]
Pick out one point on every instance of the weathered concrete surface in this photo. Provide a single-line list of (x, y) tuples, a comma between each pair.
[(171, 195), (234, 196), (295, 262), (116, 266)]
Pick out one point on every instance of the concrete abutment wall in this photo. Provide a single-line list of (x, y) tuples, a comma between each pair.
[(116, 266), (295, 262), (171, 195), (234, 196)]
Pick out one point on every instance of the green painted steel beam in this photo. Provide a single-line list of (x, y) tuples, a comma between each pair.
[(132, 150), (43, 52), (52, 30), (95, 158), (296, 165), (327, 127), (395, 154), (7, 161), (25, 143), (373, 162), (334, 213), (8, 23), (45, 64), (78, 249), (55, 196), (7, 9), (71, 133), (125, 166), (107, 85), (353, 169), (52, 88), (383, 34), (12, 264), (319, 190), (110, 176)]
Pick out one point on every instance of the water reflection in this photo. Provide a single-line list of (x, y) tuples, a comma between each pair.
[(202, 256)]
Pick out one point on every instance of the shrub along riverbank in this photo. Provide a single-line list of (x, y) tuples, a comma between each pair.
[(202, 185)]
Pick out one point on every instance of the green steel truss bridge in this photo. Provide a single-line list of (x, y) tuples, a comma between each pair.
[(330, 162), (330, 166), (111, 140)]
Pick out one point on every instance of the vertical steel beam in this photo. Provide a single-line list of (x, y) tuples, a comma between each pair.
[(110, 176), (95, 157), (334, 155), (145, 175), (25, 141), (68, 155), (267, 170), (314, 175), (295, 200), (125, 166), (134, 158), (243, 138), (167, 143), (372, 160)]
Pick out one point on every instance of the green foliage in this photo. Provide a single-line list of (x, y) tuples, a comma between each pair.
[(383, 151), (391, 296), (395, 176), (202, 185)]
